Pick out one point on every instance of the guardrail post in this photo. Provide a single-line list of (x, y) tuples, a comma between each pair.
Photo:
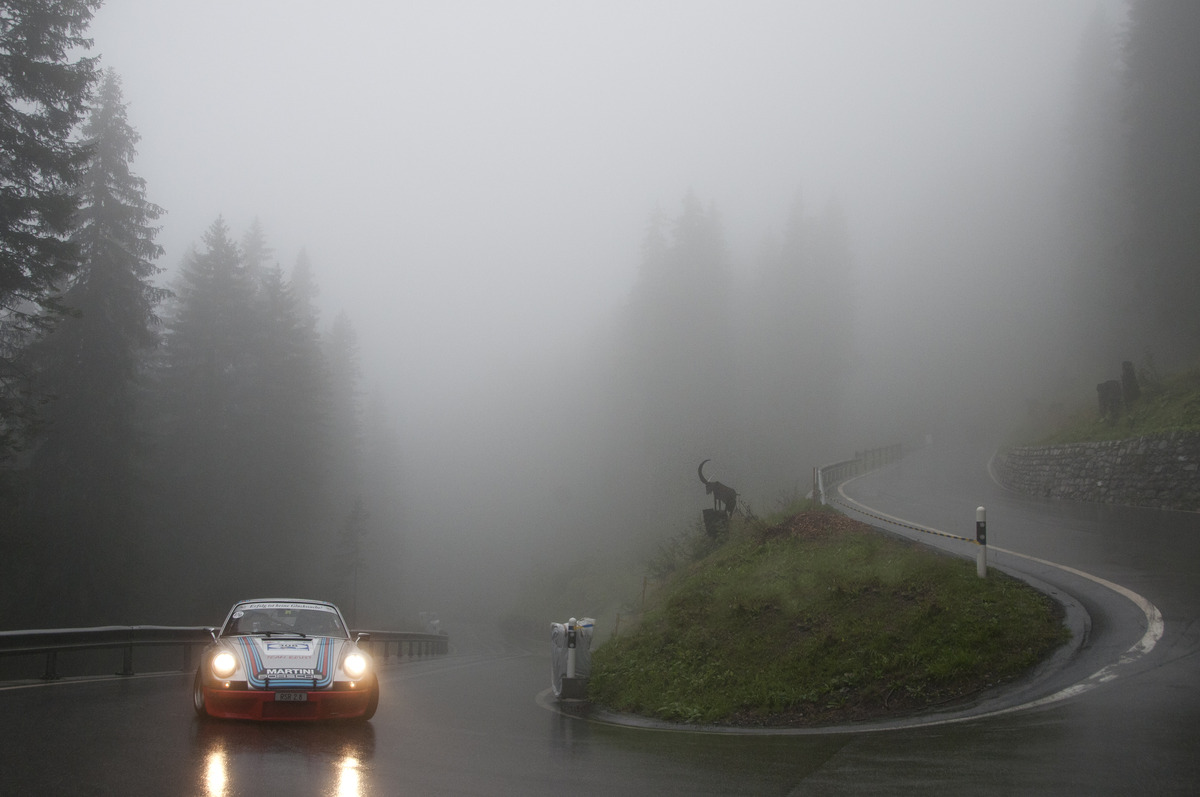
[(126, 661), (51, 671), (981, 538)]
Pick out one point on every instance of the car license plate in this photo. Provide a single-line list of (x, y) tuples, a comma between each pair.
[(291, 697)]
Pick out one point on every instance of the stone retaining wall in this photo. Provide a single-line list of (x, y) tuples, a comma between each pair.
[(1160, 471)]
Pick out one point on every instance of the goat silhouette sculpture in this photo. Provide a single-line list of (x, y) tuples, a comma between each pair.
[(724, 496)]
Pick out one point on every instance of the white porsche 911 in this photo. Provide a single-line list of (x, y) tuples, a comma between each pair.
[(285, 659)]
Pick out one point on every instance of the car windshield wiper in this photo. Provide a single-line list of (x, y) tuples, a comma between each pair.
[(297, 634)]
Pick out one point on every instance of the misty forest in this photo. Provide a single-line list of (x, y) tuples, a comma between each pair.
[(188, 417)]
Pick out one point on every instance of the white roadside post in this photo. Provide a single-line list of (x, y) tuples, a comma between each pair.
[(981, 538)]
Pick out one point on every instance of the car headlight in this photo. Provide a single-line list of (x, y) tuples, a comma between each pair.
[(223, 664), (355, 665)]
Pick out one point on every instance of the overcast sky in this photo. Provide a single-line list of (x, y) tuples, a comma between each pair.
[(481, 173)]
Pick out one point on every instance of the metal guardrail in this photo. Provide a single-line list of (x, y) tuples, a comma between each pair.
[(51, 642), (827, 476), (418, 644)]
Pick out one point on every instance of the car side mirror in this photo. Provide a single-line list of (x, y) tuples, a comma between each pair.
[(361, 637)]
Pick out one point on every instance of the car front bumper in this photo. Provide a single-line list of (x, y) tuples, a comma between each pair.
[(260, 704)]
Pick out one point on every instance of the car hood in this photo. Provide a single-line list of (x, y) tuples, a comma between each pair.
[(277, 662)]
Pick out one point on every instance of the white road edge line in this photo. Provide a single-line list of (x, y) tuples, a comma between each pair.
[(1154, 632), (1154, 626)]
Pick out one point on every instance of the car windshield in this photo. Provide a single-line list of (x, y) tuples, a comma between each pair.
[(279, 618)]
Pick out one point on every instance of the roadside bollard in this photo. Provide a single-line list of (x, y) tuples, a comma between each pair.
[(981, 538)]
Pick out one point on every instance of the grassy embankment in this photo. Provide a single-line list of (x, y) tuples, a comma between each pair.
[(812, 618), (1166, 404)]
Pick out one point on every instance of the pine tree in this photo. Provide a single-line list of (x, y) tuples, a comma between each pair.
[(86, 457), (345, 421), (286, 430), (352, 561), (305, 289), (797, 344), (256, 253), (1097, 327), (207, 355), (245, 405), (677, 366), (203, 410), (44, 89), (1163, 170)]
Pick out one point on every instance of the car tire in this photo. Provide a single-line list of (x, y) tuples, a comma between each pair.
[(198, 702), (372, 700)]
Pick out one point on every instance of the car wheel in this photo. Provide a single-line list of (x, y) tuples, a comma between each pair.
[(372, 700), (198, 696)]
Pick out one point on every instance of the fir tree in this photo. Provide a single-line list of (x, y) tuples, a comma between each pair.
[(256, 253), (286, 430), (1093, 205), (44, 89), (86, 457), (345, 421), (1162, 252), (203, 410), (305, 289), (678, 367)]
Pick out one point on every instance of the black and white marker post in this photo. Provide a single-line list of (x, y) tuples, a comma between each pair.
[(981, 538)]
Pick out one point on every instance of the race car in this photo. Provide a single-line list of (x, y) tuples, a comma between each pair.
[(285, 659)]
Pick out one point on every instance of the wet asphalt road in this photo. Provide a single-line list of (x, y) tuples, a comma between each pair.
[(473, 723)]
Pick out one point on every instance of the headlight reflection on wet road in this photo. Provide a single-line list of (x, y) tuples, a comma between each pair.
[(216, 777), (336, 766), (349, 778)]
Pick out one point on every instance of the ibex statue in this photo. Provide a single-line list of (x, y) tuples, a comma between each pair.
[(721, 493)]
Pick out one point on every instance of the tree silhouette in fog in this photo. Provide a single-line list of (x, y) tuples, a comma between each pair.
[(44, 90), (676, 364), (1162, 172), (205, 411), (84, 474), (797, 345), (244, 416), (85, 470), (1094, 204)]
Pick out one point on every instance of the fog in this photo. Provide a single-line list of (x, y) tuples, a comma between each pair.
[(474, 182)]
